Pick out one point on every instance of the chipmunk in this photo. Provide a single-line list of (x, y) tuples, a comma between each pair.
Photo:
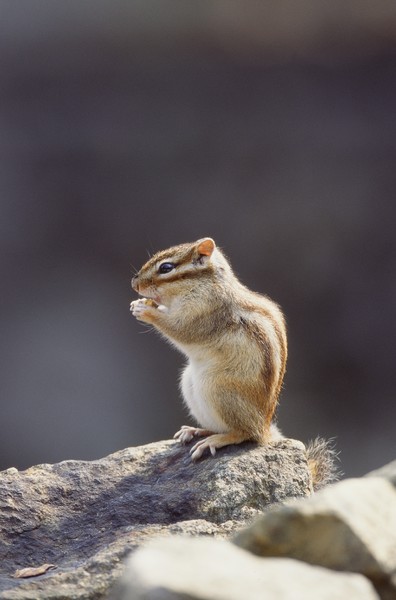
[(234, 339)]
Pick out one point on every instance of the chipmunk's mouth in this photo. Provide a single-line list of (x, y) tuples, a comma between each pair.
[(150, 294), (145, 292)]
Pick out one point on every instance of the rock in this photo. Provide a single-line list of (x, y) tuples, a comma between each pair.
[(84, 517), (202, 569), (349, 526), (388, 472)]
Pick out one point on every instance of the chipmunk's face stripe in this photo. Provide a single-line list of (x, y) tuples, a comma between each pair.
[(182, 254), (185, 273), (180, 262)]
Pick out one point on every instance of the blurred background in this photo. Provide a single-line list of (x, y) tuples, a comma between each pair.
[(129, 126)]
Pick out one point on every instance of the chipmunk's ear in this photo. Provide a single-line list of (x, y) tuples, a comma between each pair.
[(206, 246)]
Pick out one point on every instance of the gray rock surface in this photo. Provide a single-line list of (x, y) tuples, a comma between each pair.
[(349, 526), (203, 569), (84, 517), (387, 472)]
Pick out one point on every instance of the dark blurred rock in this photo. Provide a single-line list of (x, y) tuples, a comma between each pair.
[(84, 517), (280, 29)]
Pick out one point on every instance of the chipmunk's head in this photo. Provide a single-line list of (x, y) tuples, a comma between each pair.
[(179, 269)]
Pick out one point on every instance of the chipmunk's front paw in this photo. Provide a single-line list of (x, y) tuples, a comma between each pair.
[(141, 308)]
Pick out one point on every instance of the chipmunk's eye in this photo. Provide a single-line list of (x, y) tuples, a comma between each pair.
[(166, 267)]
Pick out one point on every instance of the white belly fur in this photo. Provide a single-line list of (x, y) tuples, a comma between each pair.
[(192, 387)]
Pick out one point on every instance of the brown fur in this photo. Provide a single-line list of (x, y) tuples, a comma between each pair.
[(235, 338), (322, 462)]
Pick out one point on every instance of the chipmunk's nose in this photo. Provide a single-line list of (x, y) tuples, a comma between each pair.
[(135, 283)]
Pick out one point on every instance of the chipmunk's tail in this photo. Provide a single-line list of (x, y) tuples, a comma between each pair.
[(323, 462)]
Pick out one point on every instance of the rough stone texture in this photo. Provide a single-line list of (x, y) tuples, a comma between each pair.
[(349, 526), (84, 517), (203, 569)]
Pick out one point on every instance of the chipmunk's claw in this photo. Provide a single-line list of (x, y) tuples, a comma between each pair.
[(187, 433), (199, 448)]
